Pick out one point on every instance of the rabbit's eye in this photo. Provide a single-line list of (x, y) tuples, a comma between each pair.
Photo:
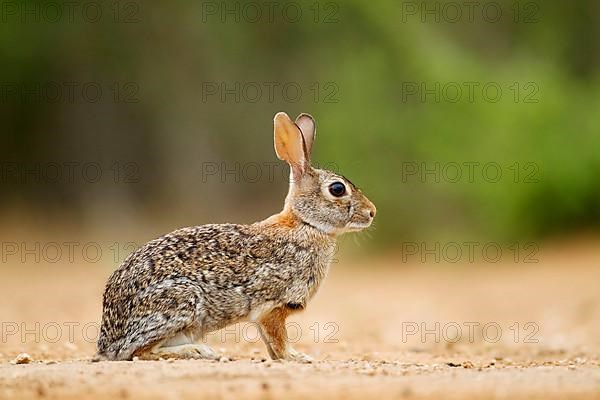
[(337, 189)]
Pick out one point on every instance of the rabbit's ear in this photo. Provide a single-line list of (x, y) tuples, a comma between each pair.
[(308, 127), (289, 144)]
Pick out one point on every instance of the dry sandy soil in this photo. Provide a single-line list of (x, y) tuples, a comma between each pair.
[(381, 328)]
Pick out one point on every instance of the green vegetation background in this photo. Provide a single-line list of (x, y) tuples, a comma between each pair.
[(367, 52)]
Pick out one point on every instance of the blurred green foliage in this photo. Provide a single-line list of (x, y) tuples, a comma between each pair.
[(354, 61)]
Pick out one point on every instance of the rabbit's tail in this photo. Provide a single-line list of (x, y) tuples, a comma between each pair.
[(107, 350), (123, 349)]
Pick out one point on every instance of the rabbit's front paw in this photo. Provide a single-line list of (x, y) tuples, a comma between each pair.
[(294, 355)]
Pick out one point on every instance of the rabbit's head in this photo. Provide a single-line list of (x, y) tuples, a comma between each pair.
[(320, 198)]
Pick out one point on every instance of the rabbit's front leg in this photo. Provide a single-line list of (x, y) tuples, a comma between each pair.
[(274, 334)]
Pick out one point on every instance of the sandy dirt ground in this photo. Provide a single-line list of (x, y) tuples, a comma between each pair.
[(378, 328)]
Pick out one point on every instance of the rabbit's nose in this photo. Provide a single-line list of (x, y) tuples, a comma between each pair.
[(372, 211)]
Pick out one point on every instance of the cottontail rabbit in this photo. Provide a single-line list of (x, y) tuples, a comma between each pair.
[(175, 289)]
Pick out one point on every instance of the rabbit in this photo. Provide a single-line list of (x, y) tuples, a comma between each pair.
[(167, 295)]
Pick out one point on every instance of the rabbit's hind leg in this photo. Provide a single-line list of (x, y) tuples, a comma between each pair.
[(181, 346), (194, 351), (163, 314)]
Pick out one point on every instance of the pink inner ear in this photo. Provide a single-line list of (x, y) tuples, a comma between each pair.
[(307, 126), (289, 145)]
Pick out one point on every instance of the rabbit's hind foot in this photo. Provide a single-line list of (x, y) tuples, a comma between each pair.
[(196, 351)]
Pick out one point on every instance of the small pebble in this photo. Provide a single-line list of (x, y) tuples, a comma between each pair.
[(467, 364), (22, 358)]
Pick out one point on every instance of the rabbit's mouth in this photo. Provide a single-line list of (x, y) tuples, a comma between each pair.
[(357, 226)]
